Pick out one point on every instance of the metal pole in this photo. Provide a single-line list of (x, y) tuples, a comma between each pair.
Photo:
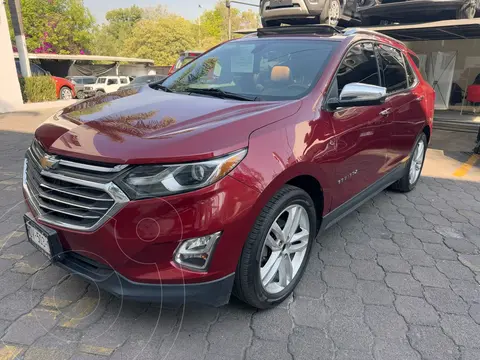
[(229, 23), (17, 23)]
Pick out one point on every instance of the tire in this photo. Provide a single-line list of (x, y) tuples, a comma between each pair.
[(467, 11), (99, 93), (248, 286), (331, 15), (80, 95), (66, 93), (270, 23), (406, 184)]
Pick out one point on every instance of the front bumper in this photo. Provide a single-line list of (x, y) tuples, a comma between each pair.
[(300, 8), (134, 249), (213, 293)]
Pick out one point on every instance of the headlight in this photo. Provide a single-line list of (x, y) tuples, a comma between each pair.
[(147, 181)]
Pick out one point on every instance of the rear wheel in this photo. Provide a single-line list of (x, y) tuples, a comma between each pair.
[(99, 93), (277, 250), (414, 168), (66, 93), (332, 14)]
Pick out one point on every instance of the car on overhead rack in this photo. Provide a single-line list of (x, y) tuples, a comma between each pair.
[(296, 12), (375, 12), (218, 180)]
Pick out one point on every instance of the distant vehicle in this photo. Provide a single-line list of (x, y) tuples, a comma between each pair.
[(106, 85), (374, 12), (64, 88), (183, 60), (299, 12), (80, 82), (143, 80)]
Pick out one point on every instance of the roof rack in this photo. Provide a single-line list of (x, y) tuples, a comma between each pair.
[(353, 31), (296, 29)]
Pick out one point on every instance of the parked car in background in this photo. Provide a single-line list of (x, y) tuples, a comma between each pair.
[(374, 12), (106, 85), (79, 82), (219, 179), (143, 80), (64, 88), (183, 60), (296, 12)]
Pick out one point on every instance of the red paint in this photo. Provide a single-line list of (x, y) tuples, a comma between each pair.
[(62, 82), (285, 139)]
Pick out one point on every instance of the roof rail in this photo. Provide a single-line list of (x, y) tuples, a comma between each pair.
[(295, 29), (353, 31)]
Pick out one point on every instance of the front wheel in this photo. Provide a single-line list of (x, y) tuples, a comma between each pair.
[(80, 95), (331, 15), (414, 168), (99, 93), (467, 11), (66, 93), (277, 250)]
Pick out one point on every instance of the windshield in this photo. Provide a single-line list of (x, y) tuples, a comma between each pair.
[(143, 79), (101, 80), (264, 69)]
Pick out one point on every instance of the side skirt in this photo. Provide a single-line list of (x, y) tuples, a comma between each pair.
[(366, 194)]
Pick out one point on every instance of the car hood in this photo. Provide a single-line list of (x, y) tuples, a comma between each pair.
[(142, 125)]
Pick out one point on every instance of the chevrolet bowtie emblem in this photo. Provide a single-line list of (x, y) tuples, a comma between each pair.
[(48, 162)]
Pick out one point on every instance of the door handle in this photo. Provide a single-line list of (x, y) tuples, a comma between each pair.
[(385, 112), (420, 98)]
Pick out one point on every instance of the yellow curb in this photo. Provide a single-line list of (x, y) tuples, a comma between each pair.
[(467, 165), (82, 309), (95, 350), (8, 352), (54, 303)]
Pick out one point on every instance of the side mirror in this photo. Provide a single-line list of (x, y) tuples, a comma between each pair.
[(358, 94)]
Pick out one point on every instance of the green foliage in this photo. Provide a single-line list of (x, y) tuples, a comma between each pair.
[(57, 26), (160, 39), (38, 89)]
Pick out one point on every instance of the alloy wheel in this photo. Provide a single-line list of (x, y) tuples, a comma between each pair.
[(284, 249), (66, 94), (334, 13), (417, 162)]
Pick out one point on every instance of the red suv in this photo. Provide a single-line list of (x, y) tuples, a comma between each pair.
[(219, 179)]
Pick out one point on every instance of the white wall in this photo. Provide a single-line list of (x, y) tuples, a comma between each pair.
[(10, 94), (467, 65)]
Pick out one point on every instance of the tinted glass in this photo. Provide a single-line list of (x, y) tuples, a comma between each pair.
[(112, 81), (412, 78), (37, 70), (101, 80), (264, 69), (123, 81), (393, 68), (89, 80), (359, 66)]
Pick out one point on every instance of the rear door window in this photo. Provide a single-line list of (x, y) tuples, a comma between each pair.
[(123, 81), (393, 68)]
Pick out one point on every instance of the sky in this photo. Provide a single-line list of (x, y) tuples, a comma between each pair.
[(186, 8)]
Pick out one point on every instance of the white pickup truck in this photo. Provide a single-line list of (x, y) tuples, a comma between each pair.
[(105, 85)]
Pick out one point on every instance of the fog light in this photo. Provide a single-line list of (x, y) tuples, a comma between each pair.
[(196, 253)]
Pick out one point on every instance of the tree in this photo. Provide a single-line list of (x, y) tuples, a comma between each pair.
[(57, 26), (161, 39), (110, 38)]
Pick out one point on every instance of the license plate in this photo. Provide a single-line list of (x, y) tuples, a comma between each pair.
[(43, 239), (280, 3)]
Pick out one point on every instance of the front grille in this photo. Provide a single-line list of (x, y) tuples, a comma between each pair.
[(71, 194)]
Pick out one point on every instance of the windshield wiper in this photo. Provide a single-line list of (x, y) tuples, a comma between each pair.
[(220, 94), (159, 86)]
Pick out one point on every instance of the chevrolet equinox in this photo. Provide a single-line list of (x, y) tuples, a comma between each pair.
[(218, 180)]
